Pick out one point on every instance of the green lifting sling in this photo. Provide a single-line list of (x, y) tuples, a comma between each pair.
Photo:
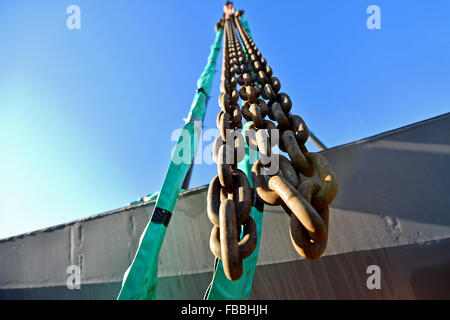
[(140, 279)]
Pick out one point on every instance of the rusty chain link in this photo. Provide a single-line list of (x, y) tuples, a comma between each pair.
[(305, 201), (229, 193)]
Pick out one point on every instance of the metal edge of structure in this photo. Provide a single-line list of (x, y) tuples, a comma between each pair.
[(392, 211)]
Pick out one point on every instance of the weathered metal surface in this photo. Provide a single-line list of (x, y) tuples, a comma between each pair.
[(309, 231), (229, 193), (392, 210)]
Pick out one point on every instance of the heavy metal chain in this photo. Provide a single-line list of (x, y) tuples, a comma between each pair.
[(229, 193), (305, 201)]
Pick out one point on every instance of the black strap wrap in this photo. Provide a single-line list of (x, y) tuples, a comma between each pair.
[(202, 90), (161, 216)]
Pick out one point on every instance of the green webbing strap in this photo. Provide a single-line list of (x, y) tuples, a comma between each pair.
[(245, 25), (140, 279)]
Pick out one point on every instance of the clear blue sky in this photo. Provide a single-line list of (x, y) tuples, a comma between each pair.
[(86, 115)]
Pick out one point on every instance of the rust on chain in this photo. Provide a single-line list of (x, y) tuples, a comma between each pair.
[(302, 209), (276, 113), (229, 193), (270, 197), (263, 143), (243, 200), (245, 246), (306, 202), (232, 264), (285, 102), (224, 125), (330, 186), (300, 129), (213, 200), (300, 239), (288, 172), (251, 134), (223, 166), (235, 142), (235, 116), (241, 197), (298, 159)]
